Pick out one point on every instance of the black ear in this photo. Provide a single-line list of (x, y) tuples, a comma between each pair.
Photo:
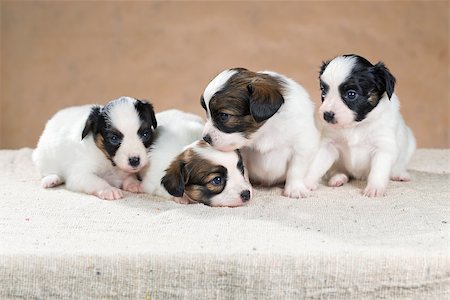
[(91, 122), (323, 67), (175, 178), (264, 98), (146, 112), (384, 79)]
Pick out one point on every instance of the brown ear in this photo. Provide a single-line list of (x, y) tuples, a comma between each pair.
[(175, 178), (265, 97)]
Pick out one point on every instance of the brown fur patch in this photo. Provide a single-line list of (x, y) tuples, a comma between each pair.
[(249, 98), (100, 143), (191, 174)]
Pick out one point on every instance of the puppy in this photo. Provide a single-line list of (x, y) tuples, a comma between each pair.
[(191, 171), (270, 118), (364, 135), (97, 150)]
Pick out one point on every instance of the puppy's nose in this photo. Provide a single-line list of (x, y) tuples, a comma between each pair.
[(329, 116), (134, 161), (245, 195), (207, 138)]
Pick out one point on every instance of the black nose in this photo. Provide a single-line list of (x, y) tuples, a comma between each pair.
[(329, 116), (207, 138), (245, 195), (134, 161)]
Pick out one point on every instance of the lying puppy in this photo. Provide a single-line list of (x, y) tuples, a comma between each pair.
[(190, 170), (97, 150), (270, 118), (364, 135)]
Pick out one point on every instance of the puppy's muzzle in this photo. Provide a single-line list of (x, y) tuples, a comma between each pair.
[(207, 138), (329, 117)]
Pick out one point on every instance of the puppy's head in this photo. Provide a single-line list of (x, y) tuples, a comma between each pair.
[(205, 175), (237, 103), (351, 88), (123, 131)]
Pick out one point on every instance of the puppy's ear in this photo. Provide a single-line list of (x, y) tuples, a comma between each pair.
[(91, 122), (323, 67), (384, 79), (146, 112), (175, 178), (264, 98)]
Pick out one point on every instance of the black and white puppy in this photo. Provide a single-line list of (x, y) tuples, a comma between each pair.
[(364, 135), (189, 170), (97, 150), (270, 118)]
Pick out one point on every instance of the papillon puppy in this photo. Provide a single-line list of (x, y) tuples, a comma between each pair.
[(364, 135), (95, 149), (270, 118), (187, 169)]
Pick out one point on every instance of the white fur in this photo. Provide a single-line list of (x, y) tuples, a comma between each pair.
[(61, 156), (178, 131), (281, 149), (377, 148)]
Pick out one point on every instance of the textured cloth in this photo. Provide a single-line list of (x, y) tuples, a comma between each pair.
[(337, 244)]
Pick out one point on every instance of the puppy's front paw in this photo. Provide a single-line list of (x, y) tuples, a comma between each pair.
[(310, 184), (109, 193), (338, 179), (181, 200), (133, 186), (50, 181), (296, 190), (374, 191), (403, 176)]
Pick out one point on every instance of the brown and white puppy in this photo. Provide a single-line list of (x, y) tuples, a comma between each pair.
[(201, 174), (270, 118), (97, 149)]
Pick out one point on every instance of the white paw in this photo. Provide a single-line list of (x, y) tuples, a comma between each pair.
[(403, 176), (134, 187), (374, 191), (311, 185), (296, 190), (110, 193), (338, 179), (181, 200), (50, 181)]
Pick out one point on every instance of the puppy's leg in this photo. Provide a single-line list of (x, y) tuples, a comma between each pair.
[(338, 179), (379, 174), (295, 187), (50, 181), (324, 159), (399, 172), (132, 184), (93, 185)]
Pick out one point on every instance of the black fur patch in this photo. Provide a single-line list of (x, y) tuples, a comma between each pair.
[(370, 82), (240, 164), (148, 120)]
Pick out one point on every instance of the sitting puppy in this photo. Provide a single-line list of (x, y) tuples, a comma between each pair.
[(270, 118), (364, 135), (190, 170), (97, 150)]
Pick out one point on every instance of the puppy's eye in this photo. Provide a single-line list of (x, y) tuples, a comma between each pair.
[(114, 139), (217, 180), (351, 95), (223, 117), (145, 135)]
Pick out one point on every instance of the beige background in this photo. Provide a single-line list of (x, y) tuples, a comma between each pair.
[(56, 54)]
